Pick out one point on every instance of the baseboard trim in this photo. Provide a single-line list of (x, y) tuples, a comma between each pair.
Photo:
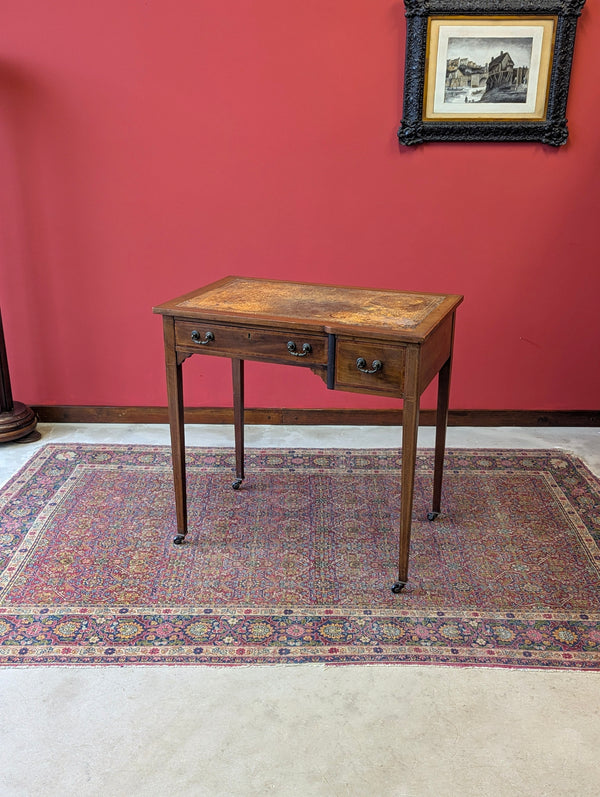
[(317, 417)]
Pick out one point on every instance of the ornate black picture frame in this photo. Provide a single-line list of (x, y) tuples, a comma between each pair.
[(462, 83)]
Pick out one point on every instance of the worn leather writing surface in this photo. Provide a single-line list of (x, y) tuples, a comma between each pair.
[(297, 301)]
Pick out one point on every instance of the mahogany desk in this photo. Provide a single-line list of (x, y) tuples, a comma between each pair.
[(383, 343)]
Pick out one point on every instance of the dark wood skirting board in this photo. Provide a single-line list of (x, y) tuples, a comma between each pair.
[(317, 417)]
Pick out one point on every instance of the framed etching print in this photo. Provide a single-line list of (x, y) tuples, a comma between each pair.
[(488, 70)]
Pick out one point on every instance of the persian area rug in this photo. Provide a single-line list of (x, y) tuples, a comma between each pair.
[(297, 565)]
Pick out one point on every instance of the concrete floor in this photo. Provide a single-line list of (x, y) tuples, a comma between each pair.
[(300, 729)]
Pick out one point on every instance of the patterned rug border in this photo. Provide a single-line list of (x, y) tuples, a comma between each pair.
[(175, 635)]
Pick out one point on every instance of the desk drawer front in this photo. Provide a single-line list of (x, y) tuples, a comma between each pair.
[(293, 347), (369, 367)]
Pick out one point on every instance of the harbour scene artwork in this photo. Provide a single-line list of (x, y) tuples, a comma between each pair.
[(487, 69)]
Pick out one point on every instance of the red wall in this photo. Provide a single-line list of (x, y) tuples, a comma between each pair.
[(149, 147)]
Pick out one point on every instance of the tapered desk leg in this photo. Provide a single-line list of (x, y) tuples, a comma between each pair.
[(440, 436), (176, 425), (237, 370), (410, 427)]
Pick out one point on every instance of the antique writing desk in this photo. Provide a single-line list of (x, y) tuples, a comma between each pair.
[(383, 343)]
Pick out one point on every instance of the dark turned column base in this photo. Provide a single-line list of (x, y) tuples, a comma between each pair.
[(18, 424)]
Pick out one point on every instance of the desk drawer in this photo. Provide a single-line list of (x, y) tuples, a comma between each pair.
[(369, 367), (251, 343)]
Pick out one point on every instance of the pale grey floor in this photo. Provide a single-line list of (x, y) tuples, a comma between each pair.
[(305, 729)]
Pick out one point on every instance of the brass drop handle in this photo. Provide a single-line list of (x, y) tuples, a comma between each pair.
[(210, 336), (306, 349), (376, 365)]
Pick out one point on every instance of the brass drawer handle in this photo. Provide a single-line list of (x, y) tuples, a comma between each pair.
[(306, 349), (210, 336), (376, 365)]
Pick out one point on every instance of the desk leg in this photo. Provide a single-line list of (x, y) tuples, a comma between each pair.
[(176, 424), (410, 428), (440, 436), (237, 370)]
